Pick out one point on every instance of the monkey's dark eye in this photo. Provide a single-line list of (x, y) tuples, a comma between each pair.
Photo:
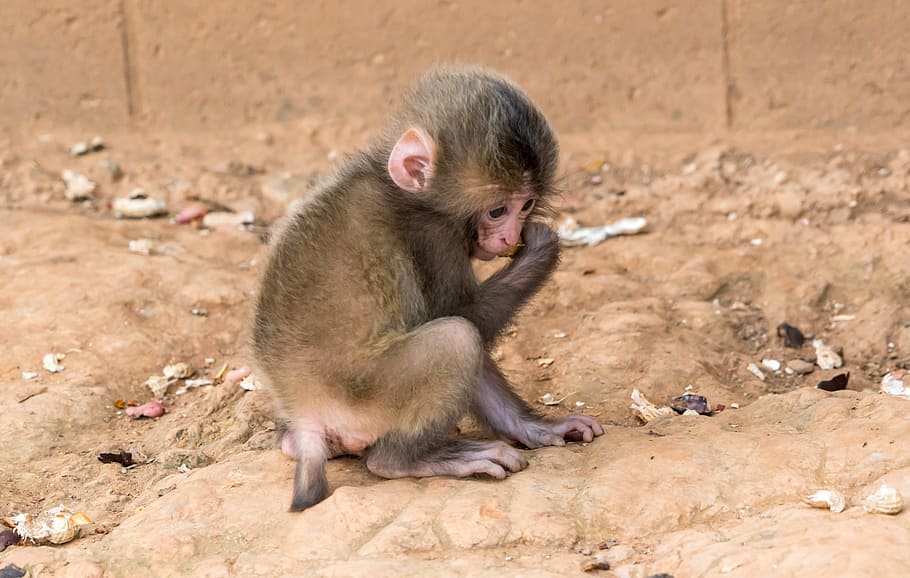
[(529, 204), (497, 212)]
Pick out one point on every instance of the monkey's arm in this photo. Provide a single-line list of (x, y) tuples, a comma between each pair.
[(501, 296), (501, 410)]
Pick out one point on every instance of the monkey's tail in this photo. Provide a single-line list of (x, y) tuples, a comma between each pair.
[(310, 483)]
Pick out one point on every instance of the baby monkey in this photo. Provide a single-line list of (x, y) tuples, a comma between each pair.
[(371, 329)]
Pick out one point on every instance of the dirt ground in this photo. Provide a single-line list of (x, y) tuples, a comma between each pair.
[(744, 232)]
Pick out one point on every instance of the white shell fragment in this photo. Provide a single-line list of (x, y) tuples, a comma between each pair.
[(825, 357), (886, 500), (29, 375), (831, 499), (51, 362), (754, 370), (82, 148), (55, 526), (249, 383), (219, 218), (572, 234), (158, 384), (192, 384), (78, 187), (647, 411), (772, 364), (142, 246), (177, 370), (893, 384), (138, 205), (550, 399)]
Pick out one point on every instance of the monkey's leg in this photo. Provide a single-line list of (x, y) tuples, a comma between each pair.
[(501, 410), (428, 378)]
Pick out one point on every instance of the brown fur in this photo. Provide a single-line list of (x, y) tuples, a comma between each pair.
[(370, 326)]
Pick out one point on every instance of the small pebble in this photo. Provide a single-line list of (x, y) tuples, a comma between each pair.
[(754, 370), (801, 367), (772, 364), (190, 213), (150, 409)]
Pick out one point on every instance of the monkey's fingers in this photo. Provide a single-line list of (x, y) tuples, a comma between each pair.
[(577, 427)]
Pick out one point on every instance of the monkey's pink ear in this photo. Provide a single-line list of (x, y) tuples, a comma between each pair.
[(412, 160)]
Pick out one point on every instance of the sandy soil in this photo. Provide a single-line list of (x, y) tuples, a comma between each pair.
[(744, 233)]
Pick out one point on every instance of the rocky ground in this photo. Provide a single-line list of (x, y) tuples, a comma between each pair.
[(743, 234)]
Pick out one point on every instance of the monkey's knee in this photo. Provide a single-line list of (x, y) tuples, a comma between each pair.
[(457, 344)]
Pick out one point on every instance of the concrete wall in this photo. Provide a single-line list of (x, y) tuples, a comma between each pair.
[(638, 65)]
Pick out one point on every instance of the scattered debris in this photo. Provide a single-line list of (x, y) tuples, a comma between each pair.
[(148, 409), (754, 370), (734, 405), (138, 205), (29, 375), (772, 364), (647, 411), (122, 457), (222, 373), (191, 212), (142, 246), (840, 318), (78, 187), (548, 399), (235, 375), (572, 234), (831, 499), (801, 367), (793, 337), (249, 383), (192, 384), (691, 402), (836, 383), (597, 562), (825, 356), (545, 362), (885, 500), (559, 335), (183, 468), (158, 384), (8, 538), (893, 384), (199, 312), (83, 148), (179, 370), (54, 526), (123, 403), (27, 395), (222, 219), (51, 362)]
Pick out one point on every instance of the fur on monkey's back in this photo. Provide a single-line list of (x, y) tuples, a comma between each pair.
[(337, 280)]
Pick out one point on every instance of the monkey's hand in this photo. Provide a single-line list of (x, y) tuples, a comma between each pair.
[(540, 242), (557, 431)]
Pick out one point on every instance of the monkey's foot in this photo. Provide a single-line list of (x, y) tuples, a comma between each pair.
[(460, 458), (556, 432)]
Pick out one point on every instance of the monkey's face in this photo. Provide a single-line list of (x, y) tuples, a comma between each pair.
[(499, 228)]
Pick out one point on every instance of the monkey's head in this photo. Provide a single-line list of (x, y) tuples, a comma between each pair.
[(469, 144)]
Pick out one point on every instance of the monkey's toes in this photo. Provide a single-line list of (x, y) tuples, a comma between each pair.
[(514, 461), (485, 467)]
